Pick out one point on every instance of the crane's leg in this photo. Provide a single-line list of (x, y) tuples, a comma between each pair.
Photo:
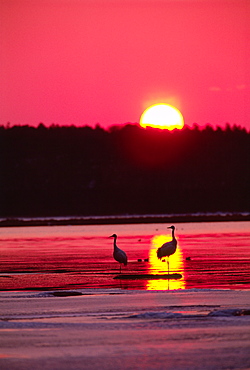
[(168, 265)]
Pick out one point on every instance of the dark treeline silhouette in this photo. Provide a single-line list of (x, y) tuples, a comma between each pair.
[(62, 171)]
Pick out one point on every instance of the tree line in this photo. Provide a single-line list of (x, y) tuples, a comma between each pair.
[(66, 171)]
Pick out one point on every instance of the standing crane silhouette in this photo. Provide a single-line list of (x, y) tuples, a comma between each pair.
[(118, 254), (169, 248)]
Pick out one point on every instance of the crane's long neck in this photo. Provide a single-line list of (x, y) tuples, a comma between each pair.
[(173, 234), (115, 246)]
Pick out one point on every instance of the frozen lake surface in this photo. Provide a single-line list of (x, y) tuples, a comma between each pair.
[(125, 329), (209, 255), (63, 307)]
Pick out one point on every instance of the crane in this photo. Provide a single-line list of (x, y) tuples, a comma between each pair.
[(118, 254), (169, 248)]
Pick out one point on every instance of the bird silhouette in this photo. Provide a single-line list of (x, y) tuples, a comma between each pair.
[(169, 248), (118, 254)]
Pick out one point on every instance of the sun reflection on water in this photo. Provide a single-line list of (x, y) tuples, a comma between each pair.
[(158, 267)]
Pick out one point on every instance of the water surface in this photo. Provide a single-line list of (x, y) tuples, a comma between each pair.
[(209, 255)]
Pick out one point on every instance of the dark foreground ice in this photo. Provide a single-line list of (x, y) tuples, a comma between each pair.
[(118, 329)]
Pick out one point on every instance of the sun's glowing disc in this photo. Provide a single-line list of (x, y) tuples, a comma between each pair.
[(163, 116)]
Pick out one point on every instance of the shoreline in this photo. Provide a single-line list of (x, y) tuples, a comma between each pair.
[(123, 219)]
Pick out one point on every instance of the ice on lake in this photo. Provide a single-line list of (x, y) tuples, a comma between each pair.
[(63, 307)]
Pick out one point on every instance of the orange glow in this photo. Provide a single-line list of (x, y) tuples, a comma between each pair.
[(159, 267), (163, 116)]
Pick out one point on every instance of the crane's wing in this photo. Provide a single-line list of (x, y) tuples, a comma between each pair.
[(120, 256), (167, 249)]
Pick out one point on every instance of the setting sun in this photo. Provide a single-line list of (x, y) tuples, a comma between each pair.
[(163, 116)]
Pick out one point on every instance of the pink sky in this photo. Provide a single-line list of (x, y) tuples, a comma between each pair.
[(84, 62)]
